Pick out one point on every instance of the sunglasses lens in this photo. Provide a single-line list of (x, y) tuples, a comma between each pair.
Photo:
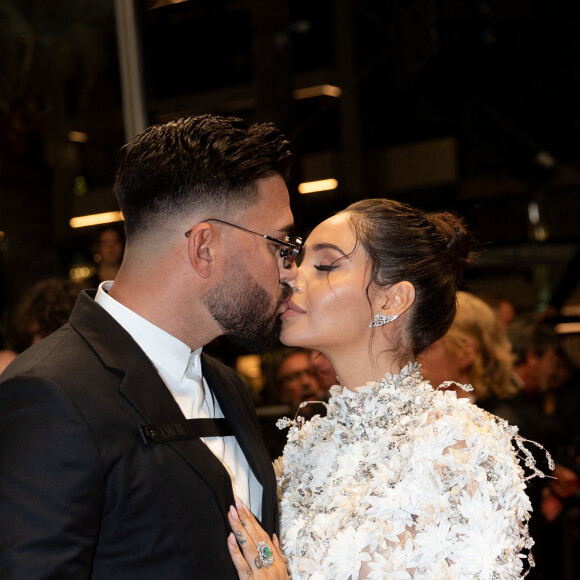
[(293, 255), (287, 255), (297, 256)]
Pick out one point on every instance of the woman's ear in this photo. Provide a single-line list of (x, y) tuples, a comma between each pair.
[(201, 249), (398, 298)]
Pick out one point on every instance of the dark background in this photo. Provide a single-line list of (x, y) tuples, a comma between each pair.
[(463, 105)]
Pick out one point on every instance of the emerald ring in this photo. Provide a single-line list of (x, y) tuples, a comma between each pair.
[(265, 554)]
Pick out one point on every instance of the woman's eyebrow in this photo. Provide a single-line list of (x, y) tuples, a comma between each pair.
[(324, 246)]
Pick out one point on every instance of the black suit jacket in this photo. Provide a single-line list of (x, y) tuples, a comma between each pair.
[(82, 495)]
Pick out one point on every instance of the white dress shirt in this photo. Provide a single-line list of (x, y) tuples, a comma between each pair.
[(180, 369)]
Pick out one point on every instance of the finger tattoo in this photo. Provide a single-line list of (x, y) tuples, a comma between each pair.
[(240, 537), (257, 562)]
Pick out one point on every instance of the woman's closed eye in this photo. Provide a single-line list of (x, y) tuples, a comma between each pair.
[(325, 267)]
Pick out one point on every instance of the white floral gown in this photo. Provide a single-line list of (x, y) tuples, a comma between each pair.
[(402, 481)]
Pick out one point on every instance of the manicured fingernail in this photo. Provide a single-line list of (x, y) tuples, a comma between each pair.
[(239, 504), (232, 540), (233, 513)]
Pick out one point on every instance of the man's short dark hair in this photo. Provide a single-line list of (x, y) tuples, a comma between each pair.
[(527, 335), (199, 162)]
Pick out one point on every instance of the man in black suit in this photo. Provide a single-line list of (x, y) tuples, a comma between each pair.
[(122, 445)]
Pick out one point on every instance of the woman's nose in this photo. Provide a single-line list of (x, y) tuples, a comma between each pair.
[(287, 275)]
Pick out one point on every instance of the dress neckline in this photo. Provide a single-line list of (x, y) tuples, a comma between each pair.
[(389, 378)]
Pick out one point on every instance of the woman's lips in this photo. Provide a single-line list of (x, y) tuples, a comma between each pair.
[(292, 309)]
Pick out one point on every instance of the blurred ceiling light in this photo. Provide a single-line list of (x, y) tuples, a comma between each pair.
[(81, 272), (161, 3), (534, 213), (78, 136), (539, 230), (546, 160), (96, 219), (314, 186), (568, 328), (317, 91)]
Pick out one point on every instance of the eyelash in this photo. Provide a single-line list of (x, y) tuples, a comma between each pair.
[(322, 268)]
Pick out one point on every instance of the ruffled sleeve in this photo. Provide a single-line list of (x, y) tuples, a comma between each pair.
[(468, 503)]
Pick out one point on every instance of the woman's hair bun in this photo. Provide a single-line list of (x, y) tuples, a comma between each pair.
[(458, 238)]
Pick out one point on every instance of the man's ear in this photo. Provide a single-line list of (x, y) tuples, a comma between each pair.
[(397, 299), (201, 249)]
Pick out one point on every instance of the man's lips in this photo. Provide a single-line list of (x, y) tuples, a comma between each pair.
[(291, 309), (284, 297)]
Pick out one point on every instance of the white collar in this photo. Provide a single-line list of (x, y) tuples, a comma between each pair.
[(170, 355)]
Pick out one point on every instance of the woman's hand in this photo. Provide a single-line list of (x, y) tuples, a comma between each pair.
[(259, 556)]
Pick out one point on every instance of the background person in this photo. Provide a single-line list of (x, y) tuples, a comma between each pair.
[(536, 345), (296, 380), (43, 308), (108, 255), (502, 307), (474, 351), (325, 374), (291, 380)]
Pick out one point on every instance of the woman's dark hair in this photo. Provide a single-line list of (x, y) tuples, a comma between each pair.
[(192, 163), (429, 251)]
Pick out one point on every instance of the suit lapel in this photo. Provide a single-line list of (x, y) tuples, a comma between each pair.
[(149, 395), (144, 389)]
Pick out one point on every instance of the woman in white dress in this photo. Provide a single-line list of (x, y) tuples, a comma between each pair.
[(399, 480)]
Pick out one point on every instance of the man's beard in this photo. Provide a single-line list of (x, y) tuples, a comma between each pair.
[(245, 311)]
